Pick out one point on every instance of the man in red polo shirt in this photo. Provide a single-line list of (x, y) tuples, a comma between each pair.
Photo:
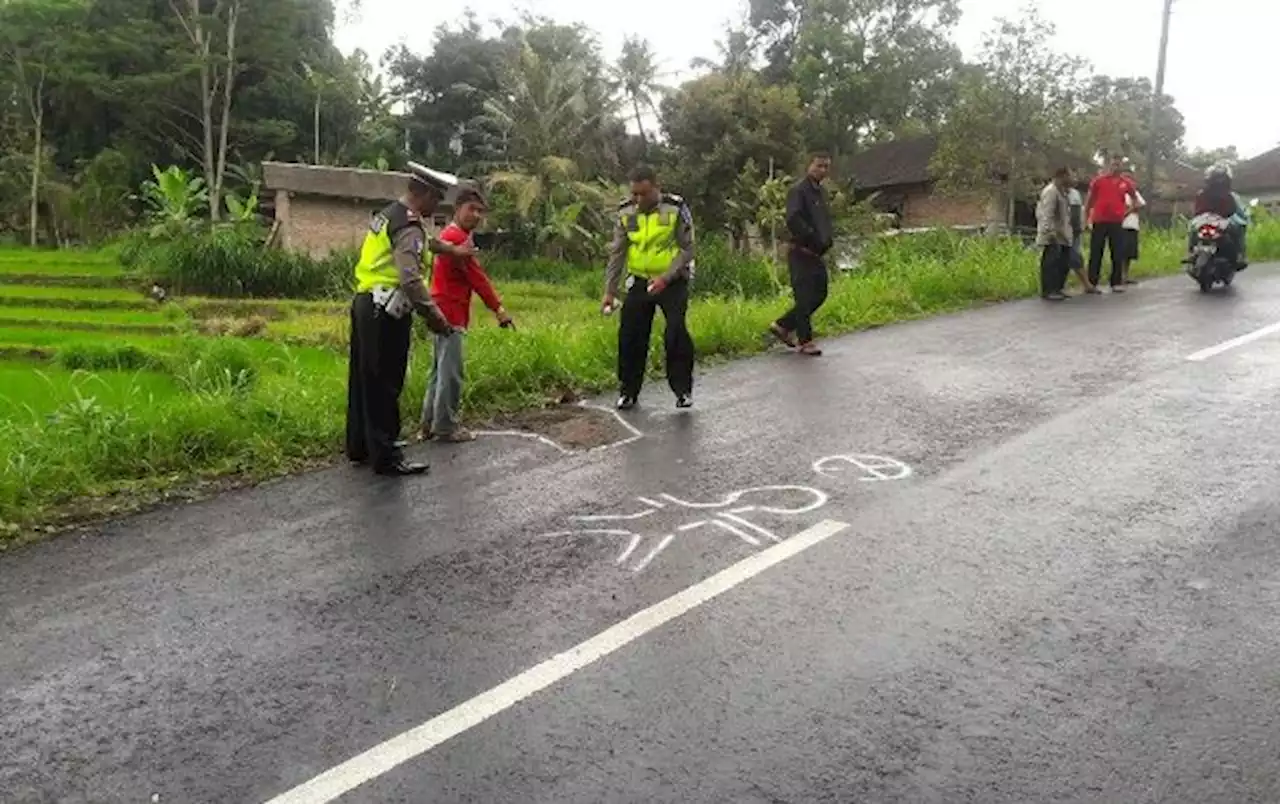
[(453, 279), (1105, 210)]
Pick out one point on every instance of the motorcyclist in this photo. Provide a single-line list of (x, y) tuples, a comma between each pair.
[(1217, 198)]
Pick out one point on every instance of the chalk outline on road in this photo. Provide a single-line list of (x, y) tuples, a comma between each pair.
[(1248, 337), (735, 523), (415, 742), (872, 465), (635, 436)]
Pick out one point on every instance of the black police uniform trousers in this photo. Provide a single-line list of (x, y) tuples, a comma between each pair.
[(638, 308), (375, 377), (809, 285)]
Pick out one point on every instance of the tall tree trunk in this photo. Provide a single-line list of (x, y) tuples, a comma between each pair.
[(37, 118), (644, 141), (228, 87), (316, 126)]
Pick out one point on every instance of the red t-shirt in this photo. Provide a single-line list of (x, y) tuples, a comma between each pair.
[(453, 279), (1108, 192)]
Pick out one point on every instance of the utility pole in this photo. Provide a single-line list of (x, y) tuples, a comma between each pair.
[(1156, 97)]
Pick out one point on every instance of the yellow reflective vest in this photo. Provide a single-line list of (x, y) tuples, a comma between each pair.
[(377, 264), (651, 237)]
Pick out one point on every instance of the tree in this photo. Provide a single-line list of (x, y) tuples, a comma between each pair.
[(445, 92), (1205, 158), (863, 67), (212, 37), (34, 56), (715, 124), (1013, 108), (637, 75), (1115, 117)]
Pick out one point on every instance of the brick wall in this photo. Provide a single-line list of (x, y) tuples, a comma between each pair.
[(318, 225), (926, 208)]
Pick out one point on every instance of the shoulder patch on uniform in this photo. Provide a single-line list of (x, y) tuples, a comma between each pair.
[(672, 198)]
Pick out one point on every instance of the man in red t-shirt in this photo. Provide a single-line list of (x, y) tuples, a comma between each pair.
[(1105, 210), (453, 279)]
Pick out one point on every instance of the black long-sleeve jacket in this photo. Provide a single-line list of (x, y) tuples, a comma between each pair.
[(809, 217)]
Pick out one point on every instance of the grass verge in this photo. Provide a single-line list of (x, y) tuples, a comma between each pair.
[(187, 409)]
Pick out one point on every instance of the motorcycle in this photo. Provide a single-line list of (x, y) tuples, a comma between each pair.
[(1208, 264)]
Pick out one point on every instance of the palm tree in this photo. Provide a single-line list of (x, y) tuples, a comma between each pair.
[(544, 108), (563, 208), (637, 76)]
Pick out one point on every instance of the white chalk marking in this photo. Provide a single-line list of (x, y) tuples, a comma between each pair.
[(648, 501), (613, 517), (521, 434), (655, 552), (692, 525), (636, 435), (874, 467), (417, 741), (733, 517), (631, 548), (741, 534), (559, 534), (1249, 337), (819, 500)]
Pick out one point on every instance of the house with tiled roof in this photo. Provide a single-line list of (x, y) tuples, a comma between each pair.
[(318, 209), (899, 175), (1259, 178)]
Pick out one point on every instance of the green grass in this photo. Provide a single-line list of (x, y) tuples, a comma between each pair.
[(135, 413), (91, 319), (29, 393), (53, 267), (44, 294)]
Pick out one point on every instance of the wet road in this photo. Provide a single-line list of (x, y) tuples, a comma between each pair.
[(1050, 571)]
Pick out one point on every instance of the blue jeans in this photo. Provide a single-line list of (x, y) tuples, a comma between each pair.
[(444, 390)]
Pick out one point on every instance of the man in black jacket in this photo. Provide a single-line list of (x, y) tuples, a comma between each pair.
[(809, 224)]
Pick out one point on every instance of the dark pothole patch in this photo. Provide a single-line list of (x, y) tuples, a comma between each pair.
[(571, 426)]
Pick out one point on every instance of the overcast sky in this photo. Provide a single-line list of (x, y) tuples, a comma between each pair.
[(1120, 37)]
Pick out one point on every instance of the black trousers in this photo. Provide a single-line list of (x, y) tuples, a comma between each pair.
[(638, 309), (1107, 235), (375, 377), (809, 285), (1055, 261)]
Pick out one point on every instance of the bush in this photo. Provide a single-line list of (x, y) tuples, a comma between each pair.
[(214, 366), (108, 356), (231, 261)]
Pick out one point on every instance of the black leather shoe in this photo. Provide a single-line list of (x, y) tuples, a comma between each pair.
[(684, 400), (626, 402), (402, 469), (401, 444)]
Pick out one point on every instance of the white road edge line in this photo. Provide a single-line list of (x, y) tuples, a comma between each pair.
[(1212, 351), (382, 758)]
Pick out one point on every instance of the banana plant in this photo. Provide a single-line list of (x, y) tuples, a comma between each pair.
[(174, 199)]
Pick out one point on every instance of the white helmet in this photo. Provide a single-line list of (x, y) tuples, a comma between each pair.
[(1218, 170)]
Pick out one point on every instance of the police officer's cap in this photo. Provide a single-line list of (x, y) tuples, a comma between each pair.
[(424, 176)]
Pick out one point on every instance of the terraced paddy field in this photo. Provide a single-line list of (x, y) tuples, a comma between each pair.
[(108, 398)]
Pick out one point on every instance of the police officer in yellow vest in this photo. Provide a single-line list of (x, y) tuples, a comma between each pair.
[(389, 288), (653, 246)]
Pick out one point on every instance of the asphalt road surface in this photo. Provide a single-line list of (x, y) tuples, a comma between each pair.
[(1025, 554)]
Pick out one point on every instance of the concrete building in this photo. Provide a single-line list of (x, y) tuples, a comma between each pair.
[(319, 209)]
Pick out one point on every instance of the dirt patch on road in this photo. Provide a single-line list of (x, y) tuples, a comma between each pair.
[(571, 426)]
